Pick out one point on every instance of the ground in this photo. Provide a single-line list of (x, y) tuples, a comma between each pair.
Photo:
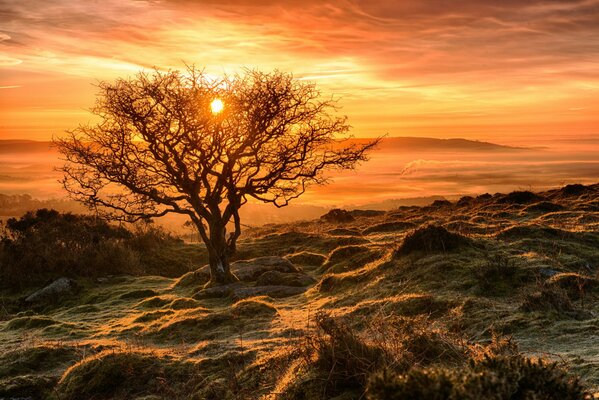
[(522, 266)]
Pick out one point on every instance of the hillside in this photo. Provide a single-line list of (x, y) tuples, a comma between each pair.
[(320, 302)]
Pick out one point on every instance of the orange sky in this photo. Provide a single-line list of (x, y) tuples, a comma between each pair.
[(497, 70)]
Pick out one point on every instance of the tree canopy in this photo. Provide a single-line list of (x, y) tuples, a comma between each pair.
[(188, 143)]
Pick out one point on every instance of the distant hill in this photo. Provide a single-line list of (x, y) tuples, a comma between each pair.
[(402, 144), (425, 144), (24, 146)]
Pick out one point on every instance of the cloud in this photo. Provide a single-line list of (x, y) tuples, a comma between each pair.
[(402, 67)]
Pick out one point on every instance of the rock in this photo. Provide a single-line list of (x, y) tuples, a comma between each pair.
[(217, 291), (54, 291), (250, 270), (548, 272), (276, 278), (271, 291)]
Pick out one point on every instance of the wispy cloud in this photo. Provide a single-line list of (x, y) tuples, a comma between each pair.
[(403, 67)]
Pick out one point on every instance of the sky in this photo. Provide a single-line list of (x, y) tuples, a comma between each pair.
[(505, 71)]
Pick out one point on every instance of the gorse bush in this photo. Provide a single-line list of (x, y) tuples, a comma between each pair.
[(45, 244), (495, 377), (407, 358)]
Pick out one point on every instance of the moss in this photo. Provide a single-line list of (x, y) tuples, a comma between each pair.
[(254, 307), (544, 207), (32, 322), (138, 294), (388, 227), (184, 303), (152, 316), (346, 258), (127, 374), (43, 359), (307, 258), (27, 386), (194, 278), (412, 305), (343, 232), (154, 302)]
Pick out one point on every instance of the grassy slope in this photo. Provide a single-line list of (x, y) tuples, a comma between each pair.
[(497, 282)]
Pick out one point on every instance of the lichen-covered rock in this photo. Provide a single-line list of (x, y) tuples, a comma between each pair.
[(54, 291)]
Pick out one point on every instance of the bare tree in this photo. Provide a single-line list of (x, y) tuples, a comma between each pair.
[(190, 144)]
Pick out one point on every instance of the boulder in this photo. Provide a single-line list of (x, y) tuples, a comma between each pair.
[(548, 272), (276, 278), (54, 291), (217, 291), (250, 270)]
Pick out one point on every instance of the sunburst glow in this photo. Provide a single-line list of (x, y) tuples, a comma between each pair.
[(217, 106)]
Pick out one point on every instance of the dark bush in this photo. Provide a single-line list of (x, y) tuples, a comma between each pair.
[(342, 359), (338, 215), (431, 239), (345, 356), (499, 275), (544, 207), (574, 190), (440, 203), (128, 375), (465, 200), (44, 245), (494, 377), (548, 298), (520, 197)]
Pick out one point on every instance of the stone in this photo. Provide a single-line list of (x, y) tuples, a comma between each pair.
[(54, 291), (276, 278)]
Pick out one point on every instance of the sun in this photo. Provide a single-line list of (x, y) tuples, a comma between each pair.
[(217, 106)]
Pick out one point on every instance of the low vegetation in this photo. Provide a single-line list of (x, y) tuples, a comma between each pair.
[(494, 297), (44, 245)]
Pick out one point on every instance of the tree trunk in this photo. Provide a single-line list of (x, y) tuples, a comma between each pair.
[(218, 256)]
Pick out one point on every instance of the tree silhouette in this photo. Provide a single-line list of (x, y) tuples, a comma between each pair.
[(186, 143)]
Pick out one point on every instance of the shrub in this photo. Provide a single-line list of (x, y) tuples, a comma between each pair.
[(338, 215), (44, 245), (548, 298), (127, 375), (431, 239), (519, 197), (407, 358), (494, 377), (499, 275), (343, 359)]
